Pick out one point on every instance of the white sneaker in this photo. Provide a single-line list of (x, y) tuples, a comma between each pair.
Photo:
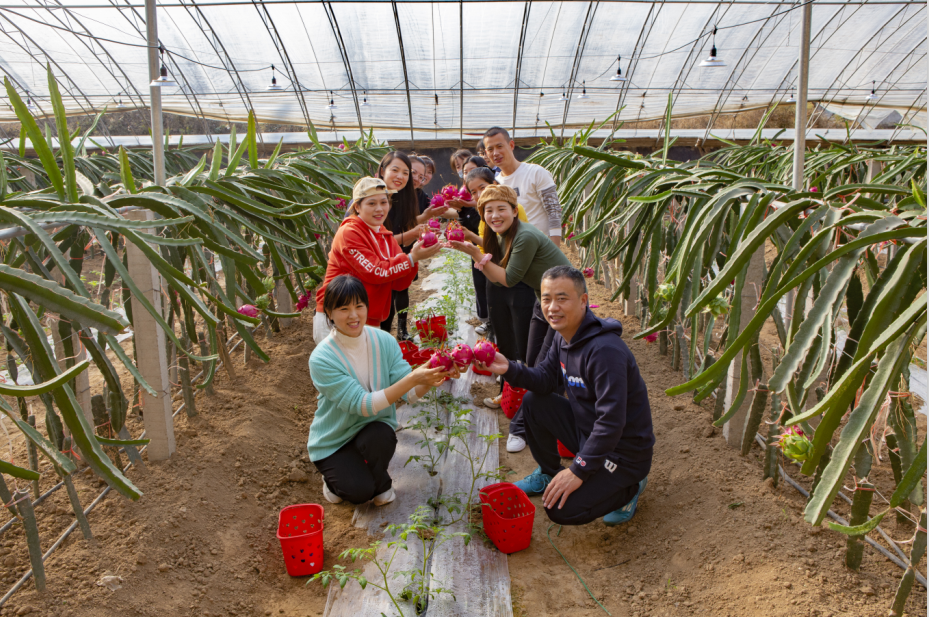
[(385, 498), (481, 330), (515, 443), (329, 495), (493, 403)]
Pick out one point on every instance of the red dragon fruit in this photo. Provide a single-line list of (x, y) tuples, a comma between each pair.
[(434, 224), (441, 359), (449, 192), (303, 302), (484, 352), (438, 200), (248, 310), (456, 234), (464, 194), (462, 355), (429, 239), (588, 272)]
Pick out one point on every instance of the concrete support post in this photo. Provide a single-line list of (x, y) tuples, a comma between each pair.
[(283, 302), (631, 301), (734, 429), (154, 71), (152, 356)]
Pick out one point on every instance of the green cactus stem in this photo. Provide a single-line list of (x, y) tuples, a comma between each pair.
[(663, 343), (861, 506), (675, 352), (76, 506), (756, 413), (204, 351), (27, 514), (916, 555), (6, 497), (774, 430), (720, 401), (897, 468), (190, 405), (33, 459)]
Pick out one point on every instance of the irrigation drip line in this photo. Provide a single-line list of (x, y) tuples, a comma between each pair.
[(64, 536), (549, 534), (842, 521)]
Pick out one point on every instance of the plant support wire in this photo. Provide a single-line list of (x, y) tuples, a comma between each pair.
[(67, 532)]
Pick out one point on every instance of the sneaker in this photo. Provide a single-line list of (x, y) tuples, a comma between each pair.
[(385, 498), (481, 330), (625, 514), (493, 403), (535, 483), (329, 495), (515, 443)]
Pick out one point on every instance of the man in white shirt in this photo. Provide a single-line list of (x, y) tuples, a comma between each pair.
[(534, 185)]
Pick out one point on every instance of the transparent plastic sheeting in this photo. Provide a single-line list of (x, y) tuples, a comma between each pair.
[(220, 54)]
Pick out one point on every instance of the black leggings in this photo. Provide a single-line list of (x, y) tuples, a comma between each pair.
[(480, 292), (357, 471), (541, 336), (510, 310), (399, 301), (549, 419)]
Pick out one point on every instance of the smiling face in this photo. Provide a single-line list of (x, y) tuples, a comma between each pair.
[(468, 166), (427, 175), (419, 174), (350, 319), (373, 210), (499, 216), (477, 186), (396, 174), (500, 151), (563, 305)]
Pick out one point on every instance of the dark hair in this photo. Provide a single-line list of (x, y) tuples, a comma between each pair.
[(570, 273), (494, 131), (427, 161), (484, 173), (343, 290), (477, 160), (459, 154), (480, 146), (404, 206), (497, 192)]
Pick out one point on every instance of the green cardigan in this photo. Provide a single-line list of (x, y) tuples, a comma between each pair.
[(344, 406), (533, 253)]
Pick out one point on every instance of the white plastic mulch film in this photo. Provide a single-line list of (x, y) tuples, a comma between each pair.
[(347, 53)]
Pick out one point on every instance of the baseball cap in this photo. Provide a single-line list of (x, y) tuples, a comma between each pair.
[(365, 187)]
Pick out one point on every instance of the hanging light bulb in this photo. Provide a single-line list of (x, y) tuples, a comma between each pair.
[(274, 85), (119, 103), (583, 95), (872, 96), (564, 97), (364, 101), (619, 71), (713, 61), (30, 106), (163, 81), (792, 99), (331, 104)]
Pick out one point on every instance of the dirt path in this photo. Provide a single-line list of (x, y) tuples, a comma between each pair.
[(709, 538)]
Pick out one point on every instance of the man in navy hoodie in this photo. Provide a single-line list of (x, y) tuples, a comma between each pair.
[(605, 418)]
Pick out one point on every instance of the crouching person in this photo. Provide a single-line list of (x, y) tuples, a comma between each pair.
[(605, 419), (359, 373)]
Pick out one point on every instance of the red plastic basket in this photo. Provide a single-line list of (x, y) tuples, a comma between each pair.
[(508, 516), (419, 357), (512, 399), (478, 371), (564, 452), (300, 530), (407, 347), (432, 328)]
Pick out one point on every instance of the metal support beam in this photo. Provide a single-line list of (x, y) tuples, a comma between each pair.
[(461, 73), (343, 51), (519, 62), (802, 86), (578, 57), (406, 77), (158, 142), (646, 29)]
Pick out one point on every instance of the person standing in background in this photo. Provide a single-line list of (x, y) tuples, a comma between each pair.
[(533, 184), (457, 161)]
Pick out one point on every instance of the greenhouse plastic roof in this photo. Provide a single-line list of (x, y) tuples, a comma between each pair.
[(447, 68)]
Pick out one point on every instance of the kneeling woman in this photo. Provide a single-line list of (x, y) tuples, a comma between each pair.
[(360, 374)]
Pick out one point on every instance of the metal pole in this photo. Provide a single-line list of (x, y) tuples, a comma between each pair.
[(158, 144), (802, 82)]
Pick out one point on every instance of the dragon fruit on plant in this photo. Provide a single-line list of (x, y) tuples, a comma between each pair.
[(484, 352), (464, 194), (248, 310), (429, 239), (588, 272), (302, 302), (441, 359), (462, 355)]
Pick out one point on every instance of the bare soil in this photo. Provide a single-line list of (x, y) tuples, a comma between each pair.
[(709, 536)]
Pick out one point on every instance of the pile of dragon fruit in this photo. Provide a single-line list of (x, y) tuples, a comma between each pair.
[(462, 356)]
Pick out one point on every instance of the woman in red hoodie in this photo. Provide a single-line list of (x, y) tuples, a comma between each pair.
[(363, 248)]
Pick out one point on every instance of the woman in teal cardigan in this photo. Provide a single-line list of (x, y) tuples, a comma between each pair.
[(360, 374)]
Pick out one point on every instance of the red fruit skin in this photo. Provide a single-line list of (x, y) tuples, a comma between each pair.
[(464, 194), (434, 224), (438, 200), (450, 192), (442, 360), (429, 239), (455, 235), (484, 353), (462, 355)]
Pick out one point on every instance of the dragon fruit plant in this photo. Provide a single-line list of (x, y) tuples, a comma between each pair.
[(484, 352), (462, 355)]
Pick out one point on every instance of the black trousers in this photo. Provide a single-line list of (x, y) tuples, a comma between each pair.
[(550, 418), (480, 292), (541, 336), (357, 471), (510, 310), (399, 301)]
